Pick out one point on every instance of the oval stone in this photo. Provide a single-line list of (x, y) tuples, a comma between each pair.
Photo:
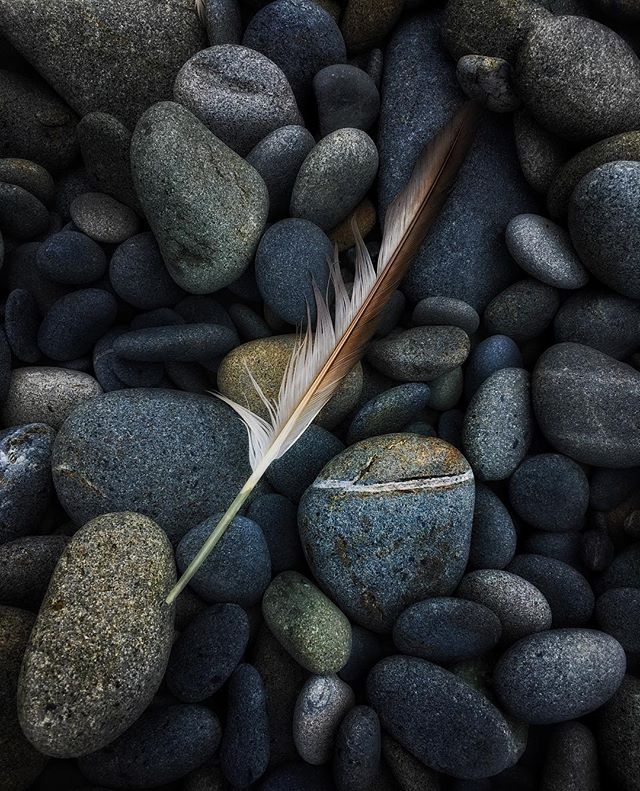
[(101, 643), (387, 523)]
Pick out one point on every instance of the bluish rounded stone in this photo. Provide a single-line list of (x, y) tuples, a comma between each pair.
[(139, 275), (566, 589), (522, 311), (561, 546), (624, 571), (356, 760), (493, 537), (187, 343), (244, 753), (559, 675), (249, 323), (388, 412), (71, 258), (550, 492), (75, 322), (27, 564), (367, 648), (446, 311), (237, 570), (346, 97), (618, 731), (164, 745), (444, 629), (291, 255), (207, 652), (388, 522), (293, 777), (21, 322), (203, 309), (22, 215), (278, 520), (489, 356), (450, 426), (618, 614), (459, 732)]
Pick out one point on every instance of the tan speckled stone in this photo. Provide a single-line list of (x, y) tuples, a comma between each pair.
[(365, 217)]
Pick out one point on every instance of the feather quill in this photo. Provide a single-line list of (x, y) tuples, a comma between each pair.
[(322, 358)]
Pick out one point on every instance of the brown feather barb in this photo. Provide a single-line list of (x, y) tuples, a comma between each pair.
[(323, 357)]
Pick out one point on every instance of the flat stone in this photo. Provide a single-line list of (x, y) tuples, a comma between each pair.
[(103, 218), (446, 311), (489, 81), (28, 175), (389, 412), (522, 311), (541, 153), (176, 343), (322, 703)]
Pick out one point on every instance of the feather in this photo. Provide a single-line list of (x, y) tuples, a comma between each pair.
[(323, 357), (201, 11)]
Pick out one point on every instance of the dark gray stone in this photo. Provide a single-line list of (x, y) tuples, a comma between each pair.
[(541, 153), (411, 774), (346, 97), (250, 325), (277, 517), (618, 734), (30, 176), (22, 215), (490, 355), (388, 412), (571, 760), (21, 322), (322, 703), (222, 20), (522, 311), (177, 343), (103, 218), (27, 565), (488, 81), (493, 537), (624, 571), (356, 759), (618, 614), (71, 258), (446, 311)]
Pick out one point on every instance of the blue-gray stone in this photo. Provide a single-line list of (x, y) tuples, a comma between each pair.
[(321, 705), (367, 648), (566, 547), (71, 258), (446, 310), (559, 675), (420, 93), (493, 536), (21, 322), (22, 215), (618, 614), (489, 356), (363, 525), (522, 311), (624, 571), (186, 343), (222, 20), (277, 517), (27, 564), (356, 759), (388, 412), (571, 761), (459, 732), (346, 97), (237, 570), (294, 776), (248, 322), (619, 734)]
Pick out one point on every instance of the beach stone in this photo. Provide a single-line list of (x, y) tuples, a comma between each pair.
[(584, 402), (490, 355), (603, 222), (493, 537), (346, 96), (498, 424), (411, 774), (277, 158), (420, 353), (250, 325), (267, 359), (624, 570), (619, 147), (366, 649), (28, 175), (558, 675), (103, 218), (207, 652), (239, 568), (238, 93), (388, 412), (488, 81), (75, 322), (186, 343), (541, 153), (522, 311), (39, 127), (365, 24), (322, 703), (550, 492), (20, 762), (446, 390), (306, 623), (100, 645), (22, 215), (617, 734), (446, 311), (460, 732), (277, 517), (520, 606), (445, 630), (200, 436), (362, 525), (71, 258), (28, 564), (618, 10), (298, 775), (356, 759), (244, 753), (571, 761), (222, 20), (544, 250), (595, 101), (291, 256), (21, 322), (364, 215), (209, 226), (118, 57), (420, 93), (335, 177), (617, 614), (164, 745), (300, 37)]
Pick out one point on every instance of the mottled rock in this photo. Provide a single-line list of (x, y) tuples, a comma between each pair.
[(71, 258), (617, 614), (28, 564), (346, 97), (522, 311), (446, 311), (489, 81), (21, 322), (365, 24), (490, 355), (493, 537), (322, 703), (388, 412), (541, 153), (22, 215), (617, 733), (222, 20), (356, 759), (571, 761), (28, 175)]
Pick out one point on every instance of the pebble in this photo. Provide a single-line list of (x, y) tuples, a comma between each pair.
[(584, 402), (558, 675), (356, 760), (522, 311), (103, 218), (300, 37), (617, 734), (366, 649), (603, 222), (346, 96), (541, 154), (446, 390), (291, 256), (164, 745), (410, 773), (239, 568), (610, 488), (277, 158), (22, 215), (543, 250), (578, 78), (238, 93), (249, 324), (520, 606), (617, 613), (321, 706), (490, 355), (446, 630), (101, 642), (222, 20), (460, 732), (71, 258), (28, 564), (566, 589), (298, 775), (334, 177), (488, 81), (21, 322), (209, 228), (561, 546), (372, 552), (307, 624), (75, 322), (446, 311), (550, 492), (364, 24), (162, 431), (30, 176), (571, 760), (624, 571), (493, 536), (420, 353), (388, 412), (244, 753), (277, 517), (176, 343), (498, 424)]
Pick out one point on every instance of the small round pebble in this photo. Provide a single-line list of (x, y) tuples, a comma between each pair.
[(489, 356), (571, 760), (493, 536), (522, 311), (356, 760), (75, 322), (388, 412), (22, 215), (30, 176), (541, 154), (446, 311), (559, 675), (71, 258), (321, 705), (21, 322), (103, 218), (346, 97)]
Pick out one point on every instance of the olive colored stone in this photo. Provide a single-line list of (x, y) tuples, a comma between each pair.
[(267, 358), (364, 216), (307, 624), (365, 23), (101, 642)]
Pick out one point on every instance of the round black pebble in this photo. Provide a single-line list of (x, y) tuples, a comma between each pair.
[(72, 258), (21, 322)]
